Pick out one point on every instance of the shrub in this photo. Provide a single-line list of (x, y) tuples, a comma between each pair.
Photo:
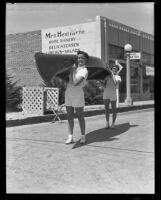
[(92, 91), (13, 94), (58, 83)]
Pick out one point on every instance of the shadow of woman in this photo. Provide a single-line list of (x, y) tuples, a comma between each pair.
[(102, 135)]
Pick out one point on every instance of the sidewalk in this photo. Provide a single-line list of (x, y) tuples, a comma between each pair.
[(18, 118)]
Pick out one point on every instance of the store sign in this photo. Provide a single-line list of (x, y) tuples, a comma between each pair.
[(135, 56), (70, 39), (149, 71)]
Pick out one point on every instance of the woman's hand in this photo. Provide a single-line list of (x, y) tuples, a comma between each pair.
[(102, 83), (73, 68), (116, 79), (116, 62)]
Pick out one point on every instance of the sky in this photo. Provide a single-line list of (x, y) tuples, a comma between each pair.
[(26, 17)]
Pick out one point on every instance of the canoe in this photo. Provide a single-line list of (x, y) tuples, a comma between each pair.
[(59, 65)]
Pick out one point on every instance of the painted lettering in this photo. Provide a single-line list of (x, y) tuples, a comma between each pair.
[(53, 41), (48, 35)]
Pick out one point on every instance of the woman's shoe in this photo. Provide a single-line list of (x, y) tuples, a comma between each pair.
[(83, 139), (107, 126), (113, 126), (69, 140)]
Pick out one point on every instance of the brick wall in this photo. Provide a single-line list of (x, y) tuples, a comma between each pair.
[(20, 62)]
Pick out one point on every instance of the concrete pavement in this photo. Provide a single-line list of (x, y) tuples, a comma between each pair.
[(112, 161), (18, 118)]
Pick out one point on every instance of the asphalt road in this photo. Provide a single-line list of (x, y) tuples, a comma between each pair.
[(119, 160)]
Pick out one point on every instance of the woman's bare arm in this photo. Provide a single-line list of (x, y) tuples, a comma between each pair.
[(77, 81)]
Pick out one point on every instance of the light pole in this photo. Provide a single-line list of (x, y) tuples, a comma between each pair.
[(128, 100)]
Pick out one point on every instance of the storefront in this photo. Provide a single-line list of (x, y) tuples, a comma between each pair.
[(102, 37), (142, 82)]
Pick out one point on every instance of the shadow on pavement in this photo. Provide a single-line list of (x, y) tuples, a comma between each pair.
[(102, 135)]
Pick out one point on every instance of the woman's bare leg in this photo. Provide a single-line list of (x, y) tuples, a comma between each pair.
[(80, 115), (70, 117), (107, 110), (114, 112)]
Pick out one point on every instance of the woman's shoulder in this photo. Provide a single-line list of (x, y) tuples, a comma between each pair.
[(84, 69)]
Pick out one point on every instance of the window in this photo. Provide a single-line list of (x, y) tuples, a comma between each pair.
[(147, 58), (116, 52), (148, 82)]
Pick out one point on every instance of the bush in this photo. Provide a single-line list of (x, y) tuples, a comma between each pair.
[(92, 91), (57, 83), (13, 94)]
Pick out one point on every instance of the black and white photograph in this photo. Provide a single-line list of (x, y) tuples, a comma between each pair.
[(80, 98)]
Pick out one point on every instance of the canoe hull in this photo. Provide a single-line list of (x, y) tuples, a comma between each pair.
[(56, 65)]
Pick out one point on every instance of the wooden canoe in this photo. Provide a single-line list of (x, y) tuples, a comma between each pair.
[(58, 65)]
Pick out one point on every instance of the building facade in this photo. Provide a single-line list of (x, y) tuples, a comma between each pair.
[(101, 37)]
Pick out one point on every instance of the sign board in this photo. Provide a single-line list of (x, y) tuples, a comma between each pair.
[(70, 39), (149, 71), (135, 56)]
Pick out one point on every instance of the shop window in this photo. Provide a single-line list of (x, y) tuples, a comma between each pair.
[(148, 83), (122, 87), (116, 52), (134, 88), (147, 58), (134, 80), (151, 84)]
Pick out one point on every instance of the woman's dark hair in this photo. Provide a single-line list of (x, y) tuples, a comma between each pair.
[(84, 53), (115, 66)]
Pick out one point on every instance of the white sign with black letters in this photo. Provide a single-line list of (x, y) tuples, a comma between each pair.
[(70, 39), (135, 56)]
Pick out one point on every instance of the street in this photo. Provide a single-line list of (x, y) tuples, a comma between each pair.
[(119, 160)]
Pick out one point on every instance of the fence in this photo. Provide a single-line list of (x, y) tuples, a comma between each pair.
[(37, 100)]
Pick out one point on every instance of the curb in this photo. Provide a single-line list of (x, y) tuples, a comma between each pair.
[(63, 116)]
